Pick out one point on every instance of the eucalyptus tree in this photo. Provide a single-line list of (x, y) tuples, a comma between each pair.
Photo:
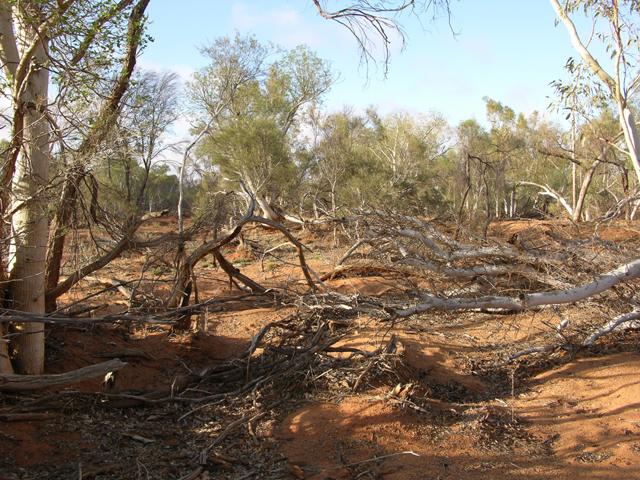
[(252, 132), (589, 157), (615, 29), (407, 148), (340, 160), (473, 148), (72, 44)]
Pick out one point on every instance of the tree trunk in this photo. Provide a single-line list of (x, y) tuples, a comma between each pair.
[(631, 136), (29, 222), (584, 188), (59, 227), (5, 360), (267, 211), (9, 57)]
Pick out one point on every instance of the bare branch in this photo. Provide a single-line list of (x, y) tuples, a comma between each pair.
[(23, 383)]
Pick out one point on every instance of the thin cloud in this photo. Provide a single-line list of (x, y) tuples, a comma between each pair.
[(284, 26)]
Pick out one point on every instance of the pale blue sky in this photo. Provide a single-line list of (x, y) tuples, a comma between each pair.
[(508, 50)]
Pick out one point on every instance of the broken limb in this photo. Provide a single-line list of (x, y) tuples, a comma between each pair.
[(626, 321), (235, 273), (299, 247), (630, 319), (602, 283), (23, 383)]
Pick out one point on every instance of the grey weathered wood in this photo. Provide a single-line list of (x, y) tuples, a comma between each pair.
[(24, 383)]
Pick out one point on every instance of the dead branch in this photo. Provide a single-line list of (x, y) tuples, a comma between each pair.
[(24, 383), (485, 270), (602, 283), (374, 24), (7, 315), (365, 268), (112, 282), (630, 319), (351, 250), (182, 289), (235, 273), (299, 246), (269, 251), (531, 351)]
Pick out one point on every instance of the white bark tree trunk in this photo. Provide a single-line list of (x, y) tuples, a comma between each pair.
[(579, 203), (30, 222), (631, 137), (613, 83), (267, 211), (550, 192), (10, 58)]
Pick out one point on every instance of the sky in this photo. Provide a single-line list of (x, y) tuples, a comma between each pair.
[(508, 50)]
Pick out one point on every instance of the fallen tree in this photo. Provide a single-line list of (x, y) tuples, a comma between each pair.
[(489, 275), (526, 301)]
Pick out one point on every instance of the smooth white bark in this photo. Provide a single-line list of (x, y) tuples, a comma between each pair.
[(30, 222), (602, 283), (614, 85)]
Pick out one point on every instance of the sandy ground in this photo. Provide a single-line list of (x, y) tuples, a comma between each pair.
[(447, 415)]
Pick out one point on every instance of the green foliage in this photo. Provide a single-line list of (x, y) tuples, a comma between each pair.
[(254, 150), (162, 189), (126, 167), (256, 110), (267, 132)]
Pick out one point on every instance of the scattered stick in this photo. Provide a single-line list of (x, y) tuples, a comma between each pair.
[(530, 351), (228, 429), (351, 250), (193, 475), (374, 459)]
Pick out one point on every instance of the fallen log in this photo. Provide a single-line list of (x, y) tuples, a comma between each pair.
[(602, 283), (8, 315), (26, 417), (25, 383)]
